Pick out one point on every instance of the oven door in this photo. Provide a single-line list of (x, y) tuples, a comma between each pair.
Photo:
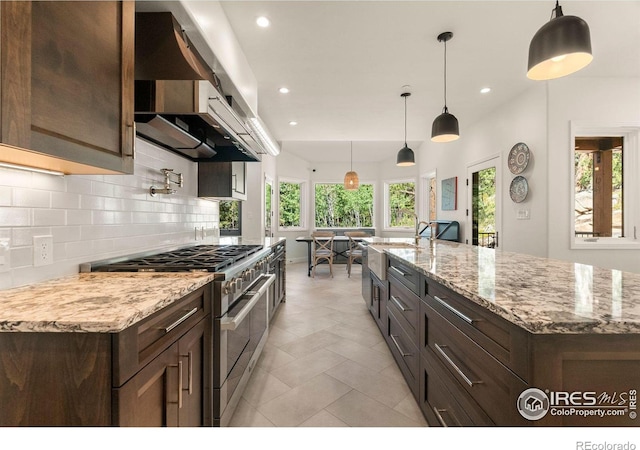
[(241, 333)]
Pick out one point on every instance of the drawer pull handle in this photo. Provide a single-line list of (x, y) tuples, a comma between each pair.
[(455, 367), (402, 352), (181, 319), (453, 310), (403, 274), (438, 413), (398, 303)]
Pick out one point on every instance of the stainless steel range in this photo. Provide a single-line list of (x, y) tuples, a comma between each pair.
[(239, 304)]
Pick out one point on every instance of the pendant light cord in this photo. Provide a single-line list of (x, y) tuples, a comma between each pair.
[(445, 76), (351, 156), (405, 120)]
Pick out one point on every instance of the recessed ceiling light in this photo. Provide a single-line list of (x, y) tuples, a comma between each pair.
[(293, 123), (262, 21), (284, 90), (485, 90)]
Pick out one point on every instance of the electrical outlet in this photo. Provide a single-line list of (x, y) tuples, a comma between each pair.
[(42, 250)]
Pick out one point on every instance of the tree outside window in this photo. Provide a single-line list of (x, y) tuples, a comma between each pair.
[(230, 218), (336, 207), (290, 204), (401, 202)]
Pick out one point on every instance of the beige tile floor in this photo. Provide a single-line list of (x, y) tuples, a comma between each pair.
[(326, 363)]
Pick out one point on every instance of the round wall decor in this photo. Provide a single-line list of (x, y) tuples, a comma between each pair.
[(519, 158), (519, 189)]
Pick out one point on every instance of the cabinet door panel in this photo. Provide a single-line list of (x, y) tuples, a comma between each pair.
[(194, 354), (151, 398)]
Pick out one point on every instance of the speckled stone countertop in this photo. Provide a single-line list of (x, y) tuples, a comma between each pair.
[(93, 302), (538, 294), (103, 302)]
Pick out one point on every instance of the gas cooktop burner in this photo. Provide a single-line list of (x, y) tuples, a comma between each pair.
[(204, 258)]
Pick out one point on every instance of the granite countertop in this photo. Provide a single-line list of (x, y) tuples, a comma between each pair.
[(94, 302), (103, 302), (538, 294)]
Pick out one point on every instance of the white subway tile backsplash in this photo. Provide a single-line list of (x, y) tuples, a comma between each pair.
[(15, 217), (31, 198), (65, 200), (94, 217), (49, 217), (5, 195)]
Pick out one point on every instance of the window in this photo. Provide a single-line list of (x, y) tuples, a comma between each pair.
[(268, 206), (291, 195), (337, 207), (400, 204), (230, 218), (604, 190)]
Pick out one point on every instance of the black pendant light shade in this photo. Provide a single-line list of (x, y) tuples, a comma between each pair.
[(561, 47), (445, 127), (405, 155)]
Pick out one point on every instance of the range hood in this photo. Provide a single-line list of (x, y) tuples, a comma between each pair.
[(179, 102)]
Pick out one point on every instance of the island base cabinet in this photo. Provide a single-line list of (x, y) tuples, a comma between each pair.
[(404, 351), (55, 379), (446, 404), (169, 391)]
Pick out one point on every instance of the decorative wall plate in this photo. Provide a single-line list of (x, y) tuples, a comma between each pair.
[(519, 158), (519, 189)]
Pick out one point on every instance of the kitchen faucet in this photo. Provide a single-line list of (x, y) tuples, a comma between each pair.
[(432, 236)]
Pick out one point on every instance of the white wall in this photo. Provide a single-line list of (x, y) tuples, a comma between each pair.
[(97, 217), (521, 120), (599, 100)]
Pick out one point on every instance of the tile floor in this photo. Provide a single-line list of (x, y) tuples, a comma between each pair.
[(326, 363)]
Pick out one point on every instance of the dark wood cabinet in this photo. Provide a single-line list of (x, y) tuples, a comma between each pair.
[(170, 390), (222, 180), (379, 295), (67, 79), (158, 372), (277, 266)]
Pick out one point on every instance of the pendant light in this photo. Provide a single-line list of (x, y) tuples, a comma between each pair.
[(445, 127), (351, 182), (561, 47), (405, 155)]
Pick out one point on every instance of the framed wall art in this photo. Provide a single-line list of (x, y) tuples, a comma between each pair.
[(450, 194)]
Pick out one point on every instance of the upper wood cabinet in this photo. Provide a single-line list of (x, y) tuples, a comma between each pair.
[(222, 180), (66, 85)]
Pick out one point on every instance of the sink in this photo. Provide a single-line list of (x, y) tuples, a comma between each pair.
[(377, 258)]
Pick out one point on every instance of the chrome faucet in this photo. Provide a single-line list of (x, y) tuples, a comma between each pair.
[(418, 230)]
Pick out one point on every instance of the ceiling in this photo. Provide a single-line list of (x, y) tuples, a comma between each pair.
[(346, 62)]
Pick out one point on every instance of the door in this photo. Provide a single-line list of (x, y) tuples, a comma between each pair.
[(268, 206), (484, 203)]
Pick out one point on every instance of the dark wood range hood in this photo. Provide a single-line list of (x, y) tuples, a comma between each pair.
[(179, 103)]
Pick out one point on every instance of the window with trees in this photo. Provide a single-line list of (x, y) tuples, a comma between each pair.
[(291, 196), (230, 218), (400, 204), (604, 186), (337, 207)]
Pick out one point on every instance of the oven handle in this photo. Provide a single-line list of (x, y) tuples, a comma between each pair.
[(231, 323)]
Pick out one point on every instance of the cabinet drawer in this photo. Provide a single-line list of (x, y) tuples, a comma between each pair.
[(445, 403), (140, 343), (503, 340), (494, 387), (404, 351), (405, 306), (404, 273)]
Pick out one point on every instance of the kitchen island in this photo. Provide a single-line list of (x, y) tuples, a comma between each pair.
[(472, 329)]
